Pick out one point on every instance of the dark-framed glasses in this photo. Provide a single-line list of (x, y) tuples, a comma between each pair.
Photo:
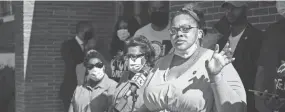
[(183, 29), (97, 65), (132, 56)]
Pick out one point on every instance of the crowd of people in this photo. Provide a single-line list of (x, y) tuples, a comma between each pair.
[(173, 64)]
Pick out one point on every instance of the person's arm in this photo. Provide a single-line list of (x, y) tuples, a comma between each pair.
[(268, 61), (266, 70), (66, 56), (110, 96), (229, 92), (66, 53), (70, 108)]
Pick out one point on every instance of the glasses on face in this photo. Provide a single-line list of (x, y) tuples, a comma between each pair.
[(183, 29), (97, 65), (134, 56)]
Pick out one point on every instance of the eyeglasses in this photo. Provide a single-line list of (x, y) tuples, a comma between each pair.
[(183, 29), (134, 56), (97, 65)]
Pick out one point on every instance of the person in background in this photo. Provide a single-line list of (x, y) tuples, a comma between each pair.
[(219, 29), (271, 75), (192, 78), (245, 44), (95, 94), (124, 29), (72, 54), (157, 30), (80, 68), (139, 50)]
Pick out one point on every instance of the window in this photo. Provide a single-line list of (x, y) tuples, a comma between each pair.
[(6, 11)]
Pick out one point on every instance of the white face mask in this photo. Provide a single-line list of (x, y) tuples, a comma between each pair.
[(123, 34), (136, 65), (188, 52), (280, 5), (96, 74)]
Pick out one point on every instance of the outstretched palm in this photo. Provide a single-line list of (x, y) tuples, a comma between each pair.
[(218, 61)]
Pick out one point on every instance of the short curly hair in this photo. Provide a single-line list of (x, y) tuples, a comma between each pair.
[(145, 46)]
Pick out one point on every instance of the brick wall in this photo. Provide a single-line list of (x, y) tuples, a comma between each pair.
[(261, 13), (53, 23), (19, 68)]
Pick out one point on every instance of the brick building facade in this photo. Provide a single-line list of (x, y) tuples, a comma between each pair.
[(260, 14), (54, 22)]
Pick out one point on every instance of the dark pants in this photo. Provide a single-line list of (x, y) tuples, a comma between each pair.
[(250, 102), (66, 104), (66, 93)]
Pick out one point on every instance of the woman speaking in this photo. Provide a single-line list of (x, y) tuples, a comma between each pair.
[(192, 78)]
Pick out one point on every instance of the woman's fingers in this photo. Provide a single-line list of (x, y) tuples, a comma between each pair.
[(217, 48)]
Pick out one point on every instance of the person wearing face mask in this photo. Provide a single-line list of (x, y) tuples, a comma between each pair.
[(270, 73), (80, 68), (217, 32), (72, 52), (95, 95), (192, 78), (157, 30), (124, 29), (140, 57)]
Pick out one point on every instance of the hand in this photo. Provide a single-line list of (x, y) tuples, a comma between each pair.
[(272, 101), (227, 49), (218, 61)]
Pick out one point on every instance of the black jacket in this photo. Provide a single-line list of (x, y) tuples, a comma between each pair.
[(72, 55), (246, 54)]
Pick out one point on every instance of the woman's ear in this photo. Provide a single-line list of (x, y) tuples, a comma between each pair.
[(200, 33), (103, 68)]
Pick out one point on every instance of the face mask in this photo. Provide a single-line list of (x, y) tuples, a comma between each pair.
[(159, 19), (96, 74), (280, 5), (88, 35), (188, 52), (136, 65), (123, 34)]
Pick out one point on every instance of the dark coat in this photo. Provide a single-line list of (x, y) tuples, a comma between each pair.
[(246, 56), (72, 55)]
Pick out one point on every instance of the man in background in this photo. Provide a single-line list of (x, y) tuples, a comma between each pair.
[(212, 36), (157, 30), (271, 75), (72, 52), (245, 43)]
